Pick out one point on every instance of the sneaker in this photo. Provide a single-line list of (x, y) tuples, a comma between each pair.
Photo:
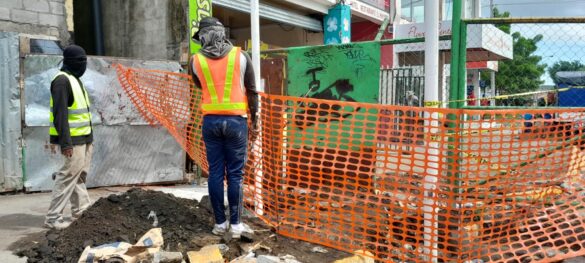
[(220, 229), (58, 225), (237, 230)]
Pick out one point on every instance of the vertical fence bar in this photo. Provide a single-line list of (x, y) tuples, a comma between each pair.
[(455, 54), (453, 119), (462, 85)]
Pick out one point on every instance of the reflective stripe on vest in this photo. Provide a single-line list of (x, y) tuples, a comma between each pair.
[(79, 116), (225, 105)]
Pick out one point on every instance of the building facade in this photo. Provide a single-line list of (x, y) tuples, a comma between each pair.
[(37, 17)]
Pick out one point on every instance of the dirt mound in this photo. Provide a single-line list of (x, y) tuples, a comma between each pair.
[(186, 225)]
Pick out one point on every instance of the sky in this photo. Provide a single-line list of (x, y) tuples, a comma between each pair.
[(539, 8), (560, 42)]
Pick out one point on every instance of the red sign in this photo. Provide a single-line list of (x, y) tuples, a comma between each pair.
[(367, 31)]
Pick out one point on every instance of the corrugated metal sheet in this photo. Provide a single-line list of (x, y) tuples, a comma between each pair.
[(10, 130), (123, 155), (127, 151)]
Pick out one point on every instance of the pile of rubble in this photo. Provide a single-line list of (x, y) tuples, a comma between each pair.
[(185, 232)]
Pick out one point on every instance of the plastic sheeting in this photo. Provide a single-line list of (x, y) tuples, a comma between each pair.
[(126, 151), (10, 128), (571, 78)]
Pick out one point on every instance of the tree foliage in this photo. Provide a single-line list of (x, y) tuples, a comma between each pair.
[(564, 66), (523, 72)]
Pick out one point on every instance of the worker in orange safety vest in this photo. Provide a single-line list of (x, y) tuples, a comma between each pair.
[(225, 75)]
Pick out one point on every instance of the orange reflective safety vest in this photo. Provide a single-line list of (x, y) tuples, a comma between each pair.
[(223, 92)]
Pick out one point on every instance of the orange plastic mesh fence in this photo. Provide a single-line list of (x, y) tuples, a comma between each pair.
[(405, 184)]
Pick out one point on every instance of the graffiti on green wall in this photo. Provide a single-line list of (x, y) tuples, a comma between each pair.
[(349, 72), (198, 9)]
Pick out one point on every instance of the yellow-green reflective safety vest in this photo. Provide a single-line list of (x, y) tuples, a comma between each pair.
[(78, 116)]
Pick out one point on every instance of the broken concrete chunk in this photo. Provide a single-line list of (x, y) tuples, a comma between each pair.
[(227, 237), (223, 248), (319, 249), (206, 240), (289, 259), (268, 259), (207, 254), (167, 257)]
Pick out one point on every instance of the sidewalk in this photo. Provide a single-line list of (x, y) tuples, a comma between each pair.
[(24, 214)]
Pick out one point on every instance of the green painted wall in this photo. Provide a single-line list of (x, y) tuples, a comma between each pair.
[(349, 72)]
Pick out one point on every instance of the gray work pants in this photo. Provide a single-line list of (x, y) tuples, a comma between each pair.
[(70, 184)]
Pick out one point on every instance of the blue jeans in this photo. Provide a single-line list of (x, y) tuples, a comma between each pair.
[(226, 142)]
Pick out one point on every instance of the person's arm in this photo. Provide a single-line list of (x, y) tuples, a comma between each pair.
[(62, 96), (250, 85)]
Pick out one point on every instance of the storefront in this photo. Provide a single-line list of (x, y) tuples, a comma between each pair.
[(486, 44), (288, 23), (282, 24)]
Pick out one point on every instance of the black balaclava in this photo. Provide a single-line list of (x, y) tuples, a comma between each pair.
[(74, 60)]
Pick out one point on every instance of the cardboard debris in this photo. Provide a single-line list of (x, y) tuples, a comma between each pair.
[(360, 256), (147, 245), (207, 254)]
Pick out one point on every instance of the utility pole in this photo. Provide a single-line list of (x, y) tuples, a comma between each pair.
[(431, 98), (493, 73), (255, 32)]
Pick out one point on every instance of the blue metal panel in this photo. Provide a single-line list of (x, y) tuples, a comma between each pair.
[(572, 98)]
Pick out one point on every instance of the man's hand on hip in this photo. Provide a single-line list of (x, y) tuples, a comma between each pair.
[(254, 130), (67, 152)]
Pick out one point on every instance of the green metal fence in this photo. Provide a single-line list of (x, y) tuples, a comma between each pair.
[(536, 62)]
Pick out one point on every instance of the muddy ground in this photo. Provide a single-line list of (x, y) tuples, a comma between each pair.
[(186, 226)]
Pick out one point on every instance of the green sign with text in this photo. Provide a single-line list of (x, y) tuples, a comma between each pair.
[(198, 9)]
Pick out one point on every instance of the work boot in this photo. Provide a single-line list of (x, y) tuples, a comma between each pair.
[(237, 230), (220, 229), (57, 224)]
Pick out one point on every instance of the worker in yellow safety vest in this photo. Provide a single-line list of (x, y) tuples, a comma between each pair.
[(70, 128), (225, 75)]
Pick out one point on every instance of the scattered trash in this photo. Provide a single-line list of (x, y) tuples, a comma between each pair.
[(153, 215), (124, 252)]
